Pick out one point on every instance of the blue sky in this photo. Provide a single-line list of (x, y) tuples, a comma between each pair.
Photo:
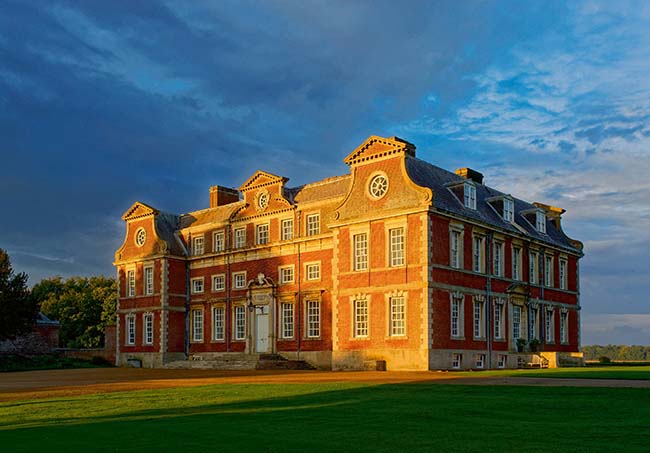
[(103, 103)]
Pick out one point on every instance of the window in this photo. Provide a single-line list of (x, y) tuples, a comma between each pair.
[(262, 234), (148, 280), (313, 271), (313, 319), (456, 315), (470, 196), (454, 249), (240, 238), (378, 186), (239, 280), (480, 360), (147, 321), (532, 267), (286, 311), (548, 270), (532, 323), (140, 237), (550, 315), (219, 241), (197, 285), (396, 246), (313, 224), (456, 360), (197, 245), (564, 326), (361, 318), (498, 259), (218, 323), (360, 242), (498, 319), (563, 279), (240, 322), (287, 229), (286, 275), (516, 263), (397, 317), (478, 254), (197, 325), (219, 282), (508, 210), (478, 319), (516, 322), (130, 329), (540, 222), (130, 277), (501, 360)]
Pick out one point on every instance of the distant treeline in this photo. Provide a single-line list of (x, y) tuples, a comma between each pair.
[(617, 352)]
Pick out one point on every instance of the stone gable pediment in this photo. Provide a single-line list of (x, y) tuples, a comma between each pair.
[(376, 147), (139, 210)]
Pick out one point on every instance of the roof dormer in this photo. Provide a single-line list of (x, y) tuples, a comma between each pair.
[(465, 191), (504, 205), (537, 218)]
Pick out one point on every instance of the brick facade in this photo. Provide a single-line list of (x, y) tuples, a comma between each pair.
[(351, 270)]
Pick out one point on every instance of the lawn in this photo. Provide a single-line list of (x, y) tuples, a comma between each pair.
[(333, 417), (605, 372)]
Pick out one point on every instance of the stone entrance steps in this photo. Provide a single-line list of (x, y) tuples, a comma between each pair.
[(238, 361)]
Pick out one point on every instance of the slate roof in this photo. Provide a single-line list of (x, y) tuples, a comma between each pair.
[(334, 187), (437, 179), (166, 227)]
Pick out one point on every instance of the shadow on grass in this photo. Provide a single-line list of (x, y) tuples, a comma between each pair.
[(391, 417)]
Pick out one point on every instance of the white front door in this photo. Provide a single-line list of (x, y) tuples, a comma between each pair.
[(262, 331)]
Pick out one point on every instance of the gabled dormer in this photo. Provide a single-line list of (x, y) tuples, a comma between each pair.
[(504, 205), (537, 218), (465, 190), (263, 192)]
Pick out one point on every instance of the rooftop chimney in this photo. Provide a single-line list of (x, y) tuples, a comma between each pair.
[(220, 196), (468, 173)]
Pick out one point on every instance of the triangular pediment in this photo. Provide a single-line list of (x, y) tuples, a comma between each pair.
[(375, 147), (262, 179), (138, 210)]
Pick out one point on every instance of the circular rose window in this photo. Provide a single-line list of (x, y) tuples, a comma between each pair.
[(140, 237), (263, 200), (378, 186)]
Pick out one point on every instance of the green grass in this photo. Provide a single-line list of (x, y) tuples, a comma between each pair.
[(620, 372), (333, 417)]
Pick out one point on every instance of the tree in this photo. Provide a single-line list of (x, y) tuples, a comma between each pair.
[(17, 310), (84, 307)]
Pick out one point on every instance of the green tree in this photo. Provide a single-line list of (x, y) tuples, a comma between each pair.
[(84, 307), (17, 309)]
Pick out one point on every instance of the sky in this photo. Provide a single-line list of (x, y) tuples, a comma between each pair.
[(105, 103)]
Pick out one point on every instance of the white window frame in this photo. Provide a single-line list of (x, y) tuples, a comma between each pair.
[(129, 337), (469, 195), (456, 360), (540, 221), (456, 317), (218, 323), (478, 319), (198, 245), (239, 280), (533, 267), (219, 241), (218, 282), (312, 224), (516, 322), (130, 283), (197, 289), (313, 318), (533, 319), (361, 318), (197, 325), (497, 265), (262, 234), (287, 322), (548, 271), (508, 210), (564, 327), (286, 274), (147, 328), (478, 253), (456, 248), (312, 271), (502, 360), (479, 362), (360, 251), (549, 324), (239, 321), (499, 317), (397, 247), (286, 229), (516, 263), (397, 316), (239, 237), (563, 273), (148, 280)]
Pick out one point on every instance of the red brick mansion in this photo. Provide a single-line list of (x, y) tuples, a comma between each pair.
[(398, 261)]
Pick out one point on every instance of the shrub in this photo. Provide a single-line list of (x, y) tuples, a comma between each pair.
[(604, 359)]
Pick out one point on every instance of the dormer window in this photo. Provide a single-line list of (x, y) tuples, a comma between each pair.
[(540, 222), (508, 210), (470, 195)]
